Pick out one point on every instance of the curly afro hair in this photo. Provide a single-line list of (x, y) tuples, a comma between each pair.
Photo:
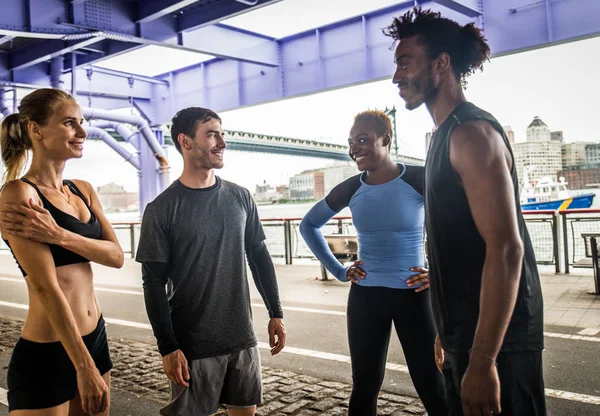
[(466, 45)]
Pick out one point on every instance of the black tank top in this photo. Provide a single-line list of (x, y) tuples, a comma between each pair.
[(457, 251), (90, 229)]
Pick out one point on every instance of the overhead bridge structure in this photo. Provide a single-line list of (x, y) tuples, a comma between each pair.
[(60, 43), (262, 143)]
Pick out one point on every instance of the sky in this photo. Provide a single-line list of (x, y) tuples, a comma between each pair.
[(559, 84)]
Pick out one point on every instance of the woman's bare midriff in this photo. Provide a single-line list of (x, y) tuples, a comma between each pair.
[(76, 282)]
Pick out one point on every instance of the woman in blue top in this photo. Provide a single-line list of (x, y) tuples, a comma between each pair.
[(386, 202)]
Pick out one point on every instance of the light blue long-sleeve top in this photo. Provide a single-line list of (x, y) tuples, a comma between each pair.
[(389, 222)]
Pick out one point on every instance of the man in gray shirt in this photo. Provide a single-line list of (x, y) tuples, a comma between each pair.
[(195, 237)]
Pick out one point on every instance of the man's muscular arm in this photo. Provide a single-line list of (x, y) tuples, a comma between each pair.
[(482, 160)]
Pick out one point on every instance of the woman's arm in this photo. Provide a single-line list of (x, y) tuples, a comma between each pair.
[(35, 258), (310, 228), (33, 222)]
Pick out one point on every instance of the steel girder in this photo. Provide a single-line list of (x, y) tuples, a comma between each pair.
[(253, 68), (96, 29), (355, 51)]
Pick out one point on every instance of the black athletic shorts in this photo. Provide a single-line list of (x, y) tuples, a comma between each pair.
[(521, 382), (41, 375)]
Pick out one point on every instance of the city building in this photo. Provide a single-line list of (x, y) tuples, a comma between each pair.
[(113, 197), (335, 174), (308, 185), (592, 154), (266, 194), (581, 177), (538, 131), (510, 134), (557, 136), (545, 156), (539, 151), (573, 154)]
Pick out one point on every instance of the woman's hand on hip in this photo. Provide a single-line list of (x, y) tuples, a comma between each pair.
[(419, 279), (355, 273)]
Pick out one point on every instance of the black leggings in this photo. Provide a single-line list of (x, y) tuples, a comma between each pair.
[(371, 311)]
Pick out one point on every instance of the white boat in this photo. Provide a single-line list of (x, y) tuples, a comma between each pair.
[(547, 194)]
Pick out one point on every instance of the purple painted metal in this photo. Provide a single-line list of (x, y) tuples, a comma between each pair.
[(235, 44), (56, 70), (139, 122), (260, 69), (4, 110), (153, 165), (150, 10), (466, 7), (355, 51), (120, 128), (98, 133), (153, 178)]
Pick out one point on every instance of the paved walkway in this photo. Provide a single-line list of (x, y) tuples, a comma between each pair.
[(138, 369), (566, 299), (567, 302)]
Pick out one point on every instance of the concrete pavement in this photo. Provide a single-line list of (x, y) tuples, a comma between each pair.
[(317, 345)]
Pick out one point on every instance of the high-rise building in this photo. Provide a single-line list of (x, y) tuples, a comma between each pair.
[(545, 156), (540, 151), (510, 134), (557, 136), (538, 131), (573, 154), (592, 154)]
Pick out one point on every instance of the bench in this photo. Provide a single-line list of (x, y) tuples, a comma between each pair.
[(343, 247), (592, 257)]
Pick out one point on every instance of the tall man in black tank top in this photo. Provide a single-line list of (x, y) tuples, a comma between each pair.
[(485, 287)]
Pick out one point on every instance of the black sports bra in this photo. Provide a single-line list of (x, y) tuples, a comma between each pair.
[(90, 229)]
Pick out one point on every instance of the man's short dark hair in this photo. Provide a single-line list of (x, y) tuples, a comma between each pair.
[(186, 121), (466, 45)]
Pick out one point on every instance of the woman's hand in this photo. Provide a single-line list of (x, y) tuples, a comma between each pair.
[(420, 279), (355, 273), (32, 222), (92, 390)]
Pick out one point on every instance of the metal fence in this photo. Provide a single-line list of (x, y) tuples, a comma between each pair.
[(550, 231)]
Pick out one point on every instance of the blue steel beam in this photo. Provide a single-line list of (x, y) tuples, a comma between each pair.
[(5, 39), (150, 10), (43, 51), (355, 51), (198, 17), (220, 40), (466, 7)]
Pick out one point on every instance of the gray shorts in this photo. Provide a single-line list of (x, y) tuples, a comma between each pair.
[(233, 380)]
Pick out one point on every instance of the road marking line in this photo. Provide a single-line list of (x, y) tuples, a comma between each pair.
[(128, 323), (559, 394), (14, 305), (308, 310), (329, 356), (571, 337), (4, 396), (589, 331), (574, 397), (98, 289), (574, 337)]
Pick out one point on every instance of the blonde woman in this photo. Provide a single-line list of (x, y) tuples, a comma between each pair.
[(55, 228)]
